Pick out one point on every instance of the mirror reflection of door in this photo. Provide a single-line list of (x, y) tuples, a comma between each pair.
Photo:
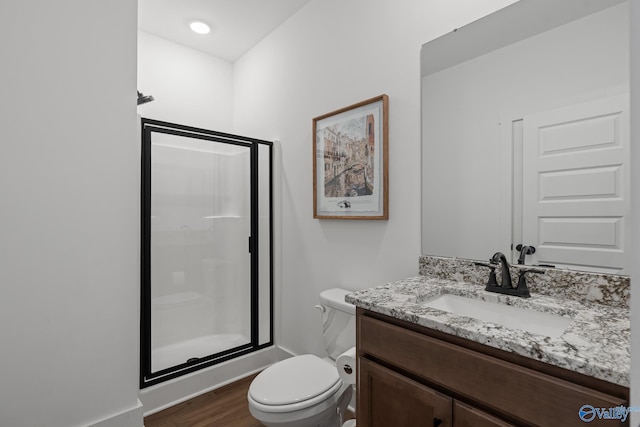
[(575, 185), (501, 73)]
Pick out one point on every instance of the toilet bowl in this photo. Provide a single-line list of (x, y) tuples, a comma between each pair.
[(306, 390), (303, 391)]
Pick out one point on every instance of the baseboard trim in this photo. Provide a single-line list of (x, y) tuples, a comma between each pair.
[(170, 393), (130, 418)]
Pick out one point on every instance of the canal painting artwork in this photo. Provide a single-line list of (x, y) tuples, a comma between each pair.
[(348, 168), (349, 149)]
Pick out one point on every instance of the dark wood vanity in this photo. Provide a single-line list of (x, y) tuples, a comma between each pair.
[(411, 375)]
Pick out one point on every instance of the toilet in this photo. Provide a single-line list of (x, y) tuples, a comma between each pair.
[(306, 390)]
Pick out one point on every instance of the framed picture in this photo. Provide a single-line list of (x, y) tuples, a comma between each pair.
[(350, 162)]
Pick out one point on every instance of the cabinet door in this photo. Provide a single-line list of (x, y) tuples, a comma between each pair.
[(468, 416), (387, 398)]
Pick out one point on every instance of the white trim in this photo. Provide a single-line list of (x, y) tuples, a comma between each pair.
[(634, 166), (505, 213), (129, 418)]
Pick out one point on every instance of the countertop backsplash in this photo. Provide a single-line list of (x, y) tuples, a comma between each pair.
[(586, 287)]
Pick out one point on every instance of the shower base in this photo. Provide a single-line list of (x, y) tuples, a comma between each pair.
[(178, 353)]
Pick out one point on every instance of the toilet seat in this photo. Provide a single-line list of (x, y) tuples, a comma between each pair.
[(294, 384)]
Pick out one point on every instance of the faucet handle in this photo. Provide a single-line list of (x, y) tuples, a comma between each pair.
[(490, 265), (522, 284), (486, 264), (532, 270), (492, 275)]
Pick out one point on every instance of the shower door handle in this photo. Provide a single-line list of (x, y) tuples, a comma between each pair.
[(250, 244)]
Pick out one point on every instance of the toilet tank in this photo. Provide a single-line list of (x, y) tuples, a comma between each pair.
[(338, 322)]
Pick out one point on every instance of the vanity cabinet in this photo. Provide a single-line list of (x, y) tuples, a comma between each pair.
[(468, 416), (399, 401), (410, 375)]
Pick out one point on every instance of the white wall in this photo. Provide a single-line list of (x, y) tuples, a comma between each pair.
[(69, 171), (582, 60), (193, 88), (69, 186), (189, 87), (329, 55), (635, 207)]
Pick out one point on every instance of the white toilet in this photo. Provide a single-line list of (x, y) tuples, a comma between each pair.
[(306, 391)]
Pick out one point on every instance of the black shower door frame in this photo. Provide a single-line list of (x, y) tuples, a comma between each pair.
[(148, 127)]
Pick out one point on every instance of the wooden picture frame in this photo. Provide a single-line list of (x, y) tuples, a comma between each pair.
[(351, 162)]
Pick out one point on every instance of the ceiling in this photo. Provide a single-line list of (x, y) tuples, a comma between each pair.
[(236, 25)]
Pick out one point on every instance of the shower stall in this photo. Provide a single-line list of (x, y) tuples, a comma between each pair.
[(206, 249)]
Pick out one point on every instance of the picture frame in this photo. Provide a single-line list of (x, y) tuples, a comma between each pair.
[(351, 162)]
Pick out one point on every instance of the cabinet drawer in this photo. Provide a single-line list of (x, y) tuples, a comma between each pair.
[(390, 399), (467, 416), (525, 394)]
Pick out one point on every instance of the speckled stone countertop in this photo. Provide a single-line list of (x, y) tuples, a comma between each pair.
[(582, 286), (596, 342)]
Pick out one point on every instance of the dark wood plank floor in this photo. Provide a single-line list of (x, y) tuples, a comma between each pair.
[(223, 407)]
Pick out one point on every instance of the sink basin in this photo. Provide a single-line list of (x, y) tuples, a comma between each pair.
[(536, 322)]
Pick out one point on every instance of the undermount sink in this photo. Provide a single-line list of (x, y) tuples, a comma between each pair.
[(536, 322)]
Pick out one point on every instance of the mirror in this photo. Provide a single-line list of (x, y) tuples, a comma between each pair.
[(525, 136)]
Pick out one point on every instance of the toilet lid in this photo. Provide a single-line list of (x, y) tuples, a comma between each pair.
[(293, 380)]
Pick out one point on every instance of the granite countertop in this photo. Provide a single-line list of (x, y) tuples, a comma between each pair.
[(596, 342)]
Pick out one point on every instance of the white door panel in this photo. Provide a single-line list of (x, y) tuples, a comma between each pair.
[(577, 209), (580, 183), (576, 184), (577, 135), (600, 232)]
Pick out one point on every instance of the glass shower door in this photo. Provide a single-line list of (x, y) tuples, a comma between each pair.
[(200, 304)]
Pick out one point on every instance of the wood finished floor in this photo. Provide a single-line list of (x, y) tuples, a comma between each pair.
[(223, 407)]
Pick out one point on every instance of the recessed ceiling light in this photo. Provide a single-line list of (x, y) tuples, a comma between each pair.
[(200, 27)]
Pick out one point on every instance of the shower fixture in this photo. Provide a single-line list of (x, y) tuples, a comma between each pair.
[(142, 99)]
